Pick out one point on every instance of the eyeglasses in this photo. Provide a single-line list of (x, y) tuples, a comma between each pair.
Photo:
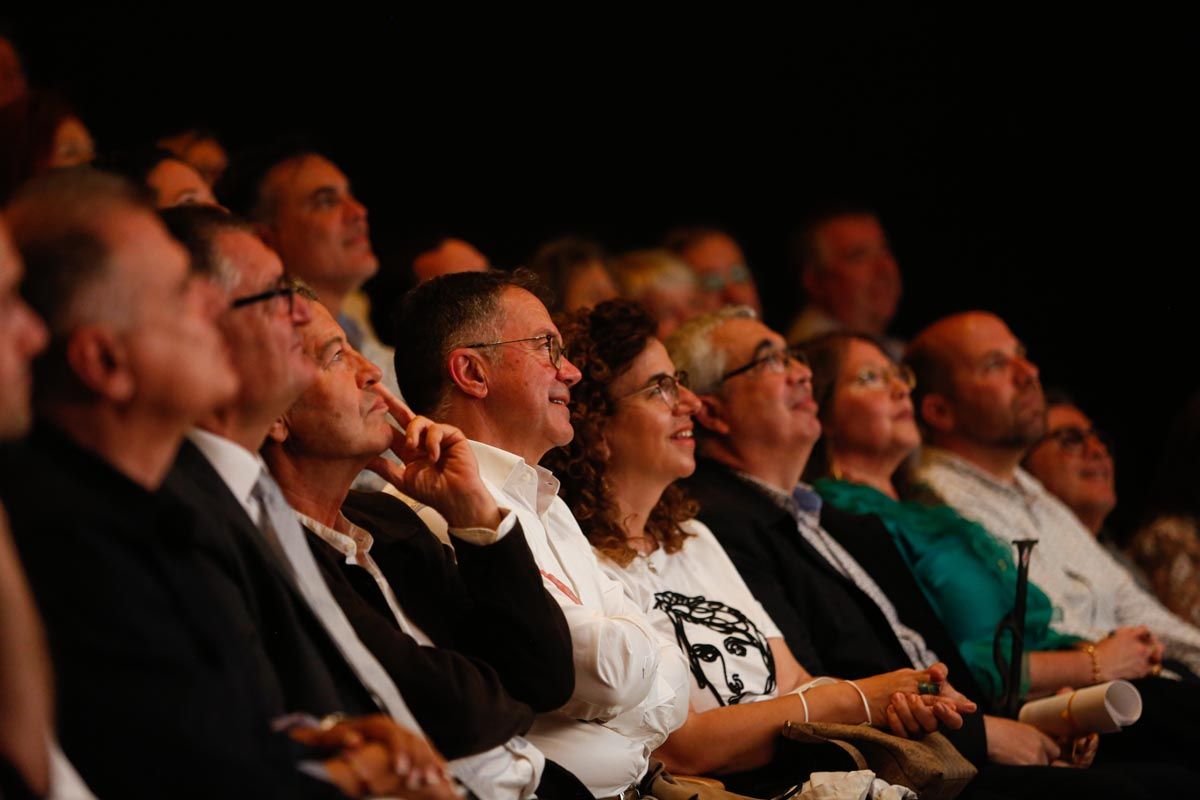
[(879, 378), (1071, 439), (551, 345), (713, 282), (667, 387), (776, 360), (284, 288)]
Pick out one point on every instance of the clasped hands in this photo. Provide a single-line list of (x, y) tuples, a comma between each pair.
[(372, 756), (897, 705)]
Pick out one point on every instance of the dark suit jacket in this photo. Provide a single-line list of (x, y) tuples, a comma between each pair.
[(487, 602), (313, 674), (830, 625), (163, 688)]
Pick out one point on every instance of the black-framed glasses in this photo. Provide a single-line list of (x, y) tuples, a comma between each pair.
[(284, 288), (879, 378), (667, 388), (775, 359), (1072, 439), (551, 345)]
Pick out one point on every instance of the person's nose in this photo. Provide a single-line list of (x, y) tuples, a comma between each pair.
[(568, 373), (354, 209), (688, 403), (368, 373), (1025, 370)]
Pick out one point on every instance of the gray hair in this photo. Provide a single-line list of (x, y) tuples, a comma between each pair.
[(691, 347)]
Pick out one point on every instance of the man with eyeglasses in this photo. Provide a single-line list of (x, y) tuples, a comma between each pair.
[(482, 354), (322, 667), (980, 403), (722, 277), (841, 614)]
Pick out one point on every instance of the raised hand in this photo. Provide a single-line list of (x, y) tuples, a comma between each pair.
[(439, 468)]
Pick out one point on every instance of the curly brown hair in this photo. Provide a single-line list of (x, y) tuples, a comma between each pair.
[(603, 342)]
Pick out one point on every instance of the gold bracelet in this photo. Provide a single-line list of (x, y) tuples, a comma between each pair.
[(1090, 649)]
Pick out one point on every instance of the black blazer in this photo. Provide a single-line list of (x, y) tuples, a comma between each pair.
[(487, 602), (313, 674), (163, 688), (830, 625)]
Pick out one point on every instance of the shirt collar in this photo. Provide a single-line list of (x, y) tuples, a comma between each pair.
[(237, 466), (1023, 483), (802, 499), (358, 540), (535, 485)]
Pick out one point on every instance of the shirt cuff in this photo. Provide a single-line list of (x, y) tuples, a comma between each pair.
[(481, 537)]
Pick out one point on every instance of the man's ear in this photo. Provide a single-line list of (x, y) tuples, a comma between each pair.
[(278, 432), (100, 361), (937, 412), (469, 372), (712, 415)]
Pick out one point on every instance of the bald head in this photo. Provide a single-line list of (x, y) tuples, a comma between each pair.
[(976, 390)]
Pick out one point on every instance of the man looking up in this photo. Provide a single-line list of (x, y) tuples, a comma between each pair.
[(850, 277), (490, 642), (756, 430), (145, 651), (720, 266), (304, 209), (482, 354), (323, 666), (980, 401)]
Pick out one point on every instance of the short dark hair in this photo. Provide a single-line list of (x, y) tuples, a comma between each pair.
[(805, 252), (679, 240), (443, 313), (556, 262), (242, 186), (54, 225), (196, 228), (54, 220)]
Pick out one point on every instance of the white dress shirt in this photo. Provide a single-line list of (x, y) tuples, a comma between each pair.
[(631, 684), (696, 598), (1092, 594), (503, 773)]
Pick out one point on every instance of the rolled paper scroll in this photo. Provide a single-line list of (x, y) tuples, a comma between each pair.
[(1103, 708)]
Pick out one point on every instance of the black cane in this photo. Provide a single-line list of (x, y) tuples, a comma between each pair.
[(1014, 624)]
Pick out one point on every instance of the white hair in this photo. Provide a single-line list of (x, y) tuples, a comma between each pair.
[(691, 347)]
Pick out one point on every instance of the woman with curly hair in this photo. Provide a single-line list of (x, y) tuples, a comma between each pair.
[(632, 415)]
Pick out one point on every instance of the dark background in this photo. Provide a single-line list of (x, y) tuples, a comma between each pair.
[(1042, 167)]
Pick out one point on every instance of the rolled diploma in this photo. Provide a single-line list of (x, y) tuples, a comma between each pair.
[(1103, 708)]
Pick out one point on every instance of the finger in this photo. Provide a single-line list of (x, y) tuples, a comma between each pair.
[(938, 672), (433, 443), (1049, 747), (390, 471), (948, 716), (893, 721), (396, 407), (900, 703), (414, 433), (922, 713)]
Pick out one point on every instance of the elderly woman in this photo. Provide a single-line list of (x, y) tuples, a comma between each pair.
[(632, 416), (969, 576)]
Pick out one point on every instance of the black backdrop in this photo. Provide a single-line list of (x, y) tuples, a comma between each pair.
[(1039, 167)]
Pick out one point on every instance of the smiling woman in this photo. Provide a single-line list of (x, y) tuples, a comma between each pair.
[(632, 415)]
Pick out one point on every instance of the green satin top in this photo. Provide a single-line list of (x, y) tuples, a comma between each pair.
[(969, 576)]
